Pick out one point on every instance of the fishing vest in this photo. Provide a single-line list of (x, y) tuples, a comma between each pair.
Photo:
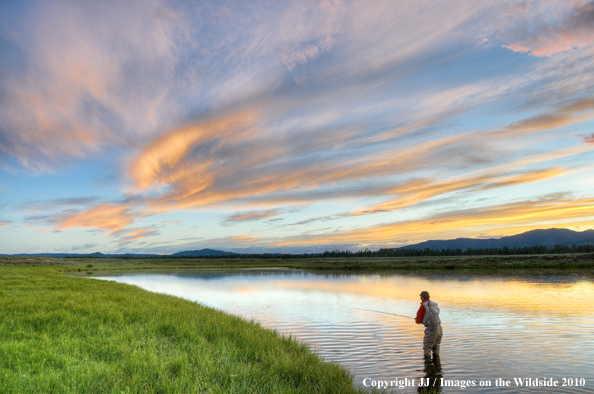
[(431, 318)]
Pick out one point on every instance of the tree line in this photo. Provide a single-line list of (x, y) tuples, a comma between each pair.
[(503, 251), (389, 252)]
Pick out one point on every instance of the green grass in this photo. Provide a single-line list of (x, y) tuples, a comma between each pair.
[(581, 262), (63, 334)]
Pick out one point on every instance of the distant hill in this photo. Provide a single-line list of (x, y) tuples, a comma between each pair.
[(549, 237), (96, 254), (203, 252), (190, 253)]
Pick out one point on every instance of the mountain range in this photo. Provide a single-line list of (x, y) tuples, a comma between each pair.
[(203, 252), (549, 237)]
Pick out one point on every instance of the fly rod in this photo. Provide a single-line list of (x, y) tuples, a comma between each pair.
[(393, 314)]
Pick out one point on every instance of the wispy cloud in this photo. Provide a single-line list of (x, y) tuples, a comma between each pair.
[(504, 219), (162, 162), (134, 234), (222, 162), (420, 190), (576, 112), (75, 95), (105, 216), (57, 203), (252, 215)]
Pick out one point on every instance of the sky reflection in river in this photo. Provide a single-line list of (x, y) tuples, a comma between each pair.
[(494, 327)]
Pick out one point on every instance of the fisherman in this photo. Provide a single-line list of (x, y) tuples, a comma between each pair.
[(428, 315)]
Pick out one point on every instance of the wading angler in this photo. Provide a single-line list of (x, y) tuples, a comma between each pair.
[(428, 315)]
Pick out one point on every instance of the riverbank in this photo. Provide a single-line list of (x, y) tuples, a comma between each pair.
[(60, 333), (584, 261)]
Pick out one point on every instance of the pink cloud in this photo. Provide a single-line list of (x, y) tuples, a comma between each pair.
[(73, 96), (575, 31)]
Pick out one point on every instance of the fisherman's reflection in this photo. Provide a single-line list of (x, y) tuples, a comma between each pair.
[(431, 382)]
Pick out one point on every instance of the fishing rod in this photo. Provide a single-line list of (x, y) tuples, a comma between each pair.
[(393, 314)]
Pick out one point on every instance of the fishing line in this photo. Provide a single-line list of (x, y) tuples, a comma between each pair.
[(386, 313)]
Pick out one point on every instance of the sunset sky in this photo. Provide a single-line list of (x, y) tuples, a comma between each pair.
[(149, 126)]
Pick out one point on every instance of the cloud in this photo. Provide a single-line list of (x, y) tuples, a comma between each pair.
[(160, 163), (576, 112), (5, 223), (134, 234), (105, 216), (589, 138), (504, 219), (419, 190), (312, 220), (225, 161), (87, 77), (252, 215), (74, 91), (57, 203), (309, 52), (552, 36)]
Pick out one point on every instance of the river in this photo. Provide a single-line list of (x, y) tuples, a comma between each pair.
[(499, 330)]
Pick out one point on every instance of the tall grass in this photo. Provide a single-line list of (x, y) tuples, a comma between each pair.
[(61, 334)]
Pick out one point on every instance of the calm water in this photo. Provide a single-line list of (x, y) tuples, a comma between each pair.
[(539, 327)]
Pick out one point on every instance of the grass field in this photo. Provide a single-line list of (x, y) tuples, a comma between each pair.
[(65, 334)]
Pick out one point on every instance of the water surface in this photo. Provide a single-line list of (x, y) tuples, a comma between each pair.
[(505, 327)]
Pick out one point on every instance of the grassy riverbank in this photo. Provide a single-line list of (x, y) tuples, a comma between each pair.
[(583, 261), (63, 334)]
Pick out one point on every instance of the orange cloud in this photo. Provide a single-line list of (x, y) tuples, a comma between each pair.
[(109, 217), (224, 162), (159, 162), (564, 116), (421, 190), (506, 219), (243, 238), (129, 235)]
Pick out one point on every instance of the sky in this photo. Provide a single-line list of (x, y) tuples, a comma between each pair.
[(148, 126)]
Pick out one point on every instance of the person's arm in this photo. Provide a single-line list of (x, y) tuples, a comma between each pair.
[(420, 314)]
